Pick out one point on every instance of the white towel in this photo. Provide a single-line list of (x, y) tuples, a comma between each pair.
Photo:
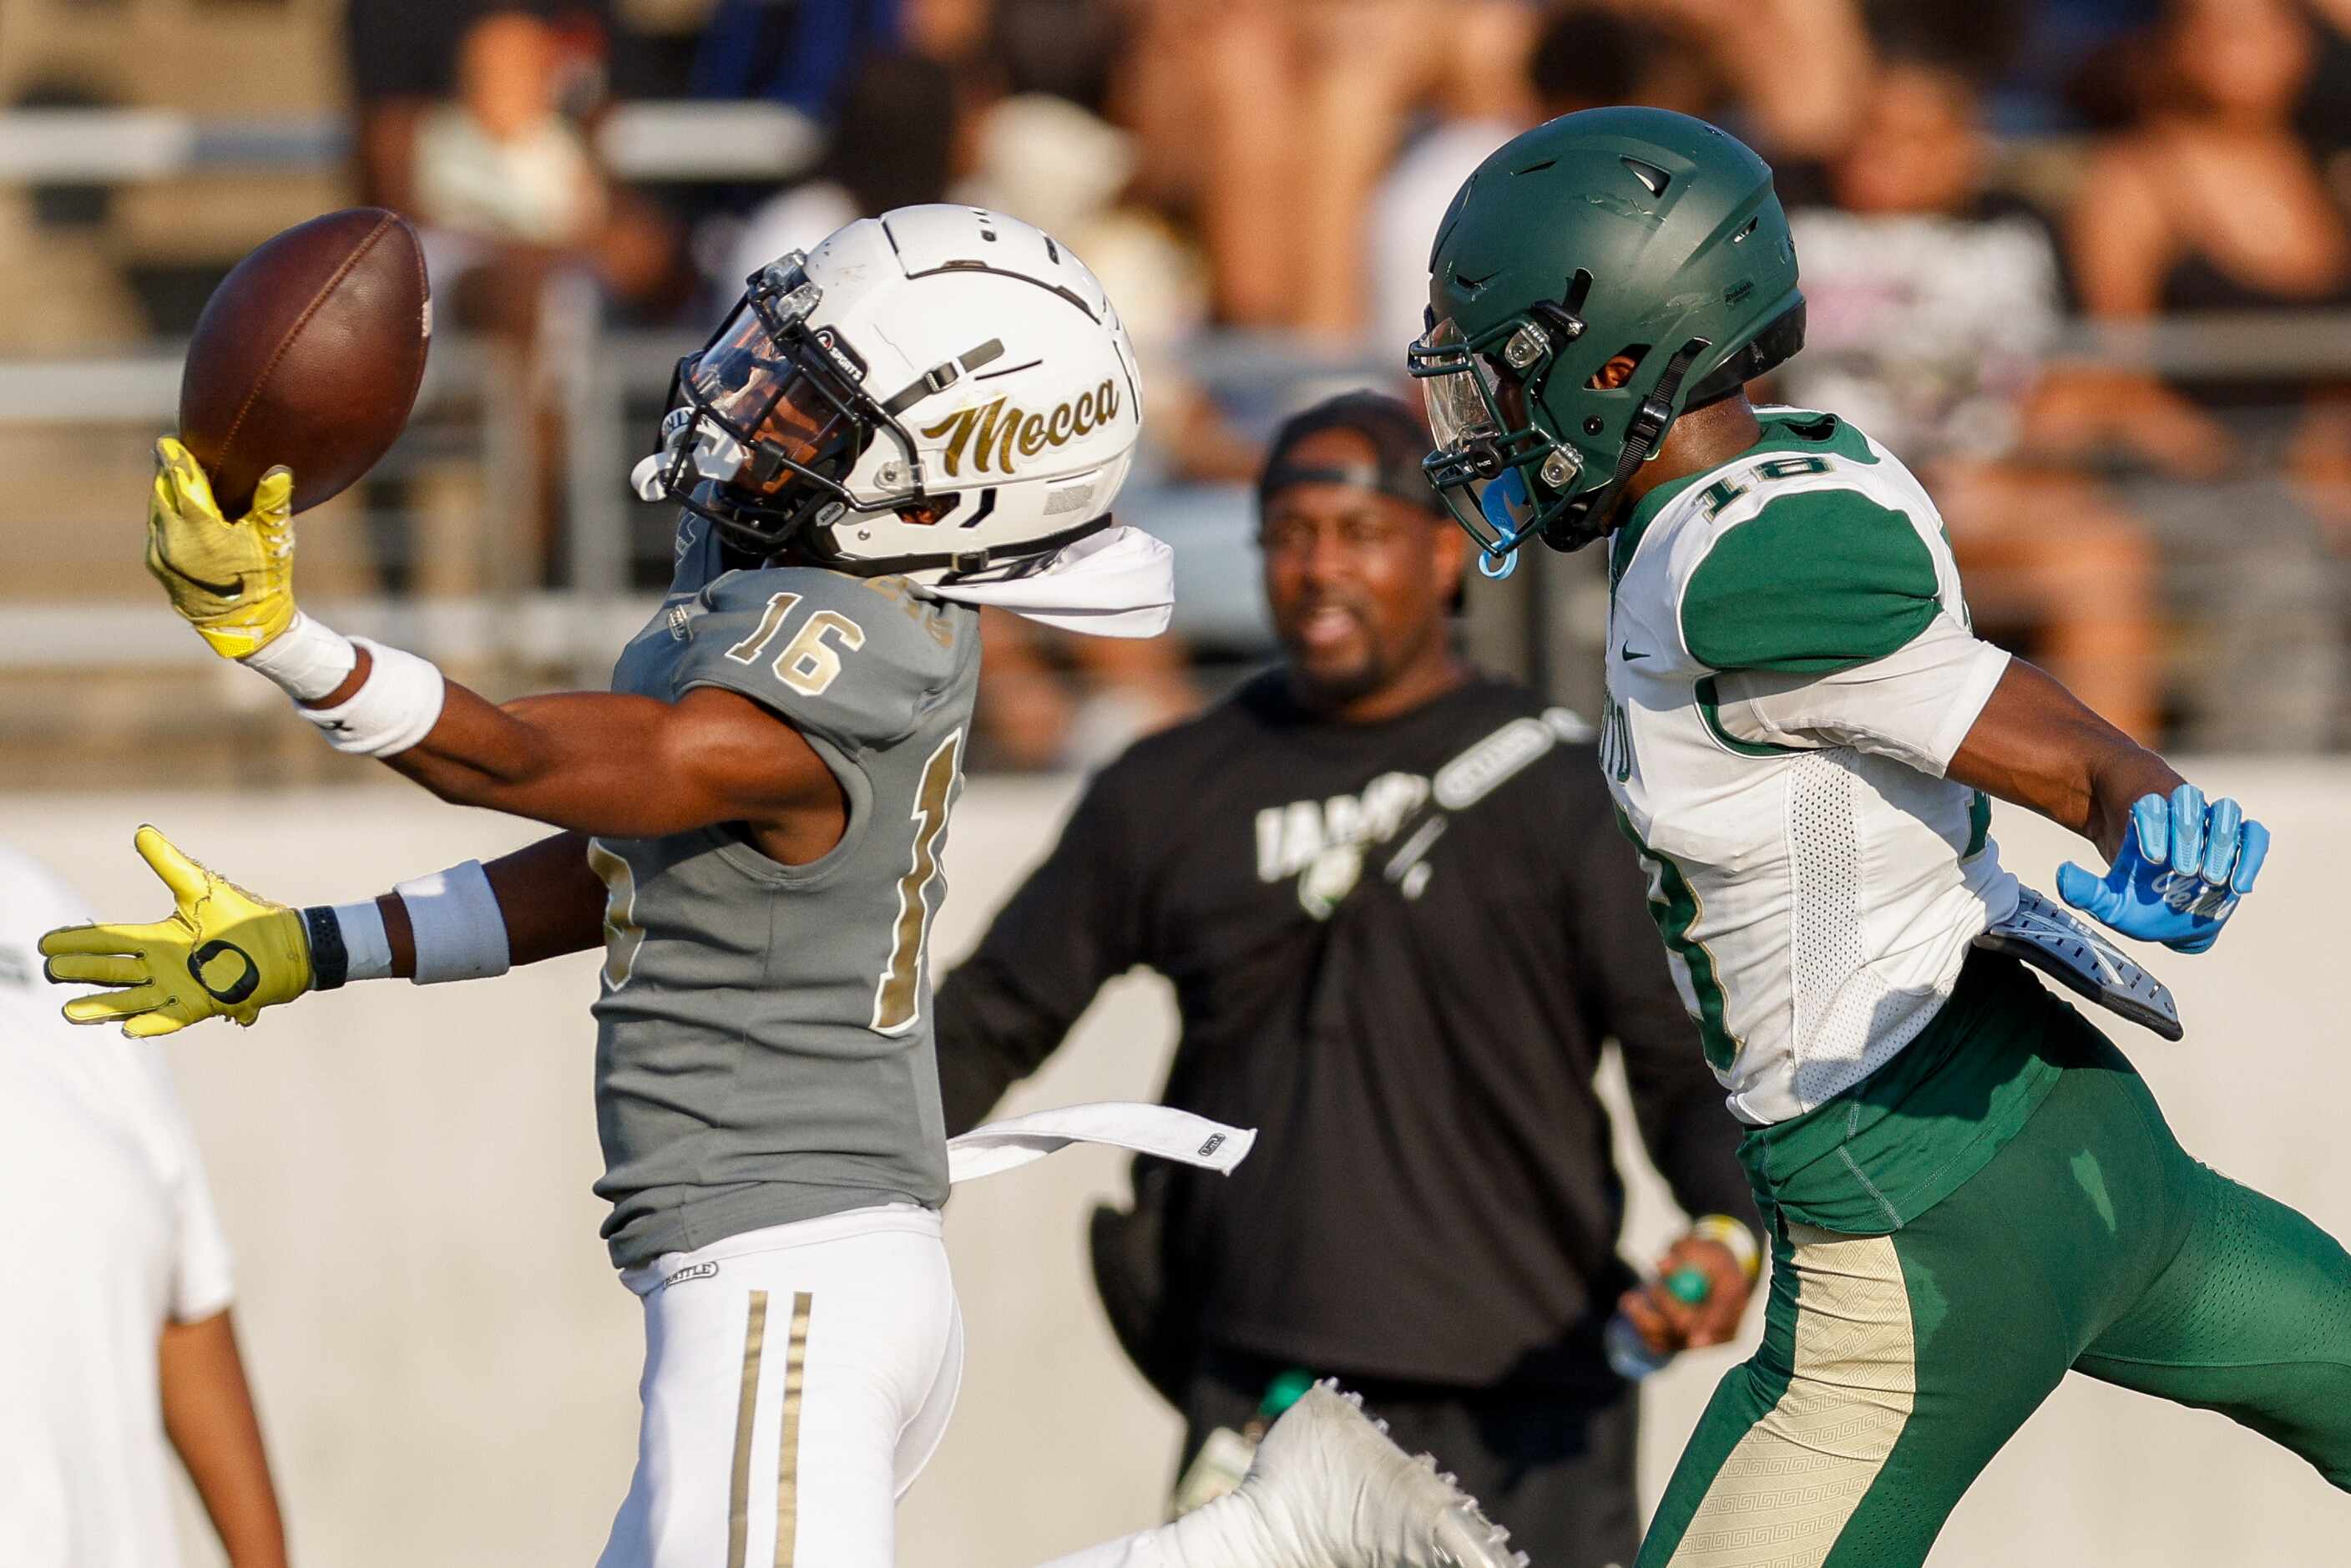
[(1119, 582), (1159, 1130)]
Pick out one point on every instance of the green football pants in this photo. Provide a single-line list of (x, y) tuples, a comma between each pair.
[(1893, 1367)]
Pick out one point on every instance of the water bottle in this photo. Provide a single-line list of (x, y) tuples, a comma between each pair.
[(1224, 1457), (1628, 1352)]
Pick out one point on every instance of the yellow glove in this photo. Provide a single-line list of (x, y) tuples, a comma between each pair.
[(234, 582), (222, 954)]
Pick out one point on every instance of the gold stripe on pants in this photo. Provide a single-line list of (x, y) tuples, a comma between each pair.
[(746, 1412), (1793, 1482), (787, 1442)]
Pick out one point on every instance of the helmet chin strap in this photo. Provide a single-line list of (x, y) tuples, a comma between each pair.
[(1506, 493), (1642, 438)]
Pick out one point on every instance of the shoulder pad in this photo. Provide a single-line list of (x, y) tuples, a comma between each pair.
[(1812, 579)]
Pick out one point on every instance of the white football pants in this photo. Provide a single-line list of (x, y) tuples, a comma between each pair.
[(797, 1380)]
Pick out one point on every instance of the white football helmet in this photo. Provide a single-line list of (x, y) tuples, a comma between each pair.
[(936, 390)]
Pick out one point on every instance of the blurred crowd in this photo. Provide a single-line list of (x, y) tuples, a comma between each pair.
[(1993, 199)]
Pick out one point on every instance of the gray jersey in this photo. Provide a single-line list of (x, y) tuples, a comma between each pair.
[(763, 1052)]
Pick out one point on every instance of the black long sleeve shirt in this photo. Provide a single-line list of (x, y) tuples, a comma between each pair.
[(1397, 949)]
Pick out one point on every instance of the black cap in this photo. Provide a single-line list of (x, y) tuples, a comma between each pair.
[(1393, 431)]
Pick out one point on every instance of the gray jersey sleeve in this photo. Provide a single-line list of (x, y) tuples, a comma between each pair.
[(858, 662)]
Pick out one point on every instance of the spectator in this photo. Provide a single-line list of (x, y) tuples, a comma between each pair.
[(1586, 56), (797, 54), (1399, 924), (2211, 203), (881, 154), (518, 221), (1934, 308), (1280, 121), (499, 160), (1298, 112), (504, 176), (1045, 152), (125, 1340), (1046, 149), (1789, 74), (402, 55)]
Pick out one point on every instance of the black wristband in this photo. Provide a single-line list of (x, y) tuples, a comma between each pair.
[(331, 961)]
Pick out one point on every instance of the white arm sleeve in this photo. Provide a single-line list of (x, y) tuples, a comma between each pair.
[(1915, 706)]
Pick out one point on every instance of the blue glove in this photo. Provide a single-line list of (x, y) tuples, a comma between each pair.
[(2182, 868)]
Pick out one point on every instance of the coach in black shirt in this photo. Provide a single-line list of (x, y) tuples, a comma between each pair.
[(1399, 920)]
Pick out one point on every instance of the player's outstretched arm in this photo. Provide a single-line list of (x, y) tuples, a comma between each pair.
[(226, 953), (549, 897), (2036, 745), (625, 767), (2178, 863), (618, 766)]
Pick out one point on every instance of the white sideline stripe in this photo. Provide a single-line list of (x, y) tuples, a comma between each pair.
[(543, 627)]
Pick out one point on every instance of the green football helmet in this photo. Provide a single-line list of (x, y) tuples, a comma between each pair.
[(1632, 232)]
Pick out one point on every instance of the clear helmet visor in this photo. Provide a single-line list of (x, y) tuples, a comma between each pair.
[(1456, 387), (765, 394)]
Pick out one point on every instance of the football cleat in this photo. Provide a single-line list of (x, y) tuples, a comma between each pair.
[(1332, 1489)]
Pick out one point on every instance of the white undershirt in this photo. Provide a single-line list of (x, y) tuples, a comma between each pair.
[(108, 1233)]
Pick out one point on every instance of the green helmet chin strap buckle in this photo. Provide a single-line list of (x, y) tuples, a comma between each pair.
[(1594, 279)]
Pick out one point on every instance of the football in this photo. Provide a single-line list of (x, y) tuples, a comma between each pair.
[(309, 354)]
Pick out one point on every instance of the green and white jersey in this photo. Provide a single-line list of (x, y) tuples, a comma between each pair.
[(1789, 672)]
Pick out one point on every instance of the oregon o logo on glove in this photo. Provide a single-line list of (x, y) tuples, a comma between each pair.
[(238, 989)]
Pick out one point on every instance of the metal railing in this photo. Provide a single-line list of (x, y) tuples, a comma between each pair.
[(605, 389), (641, 140)]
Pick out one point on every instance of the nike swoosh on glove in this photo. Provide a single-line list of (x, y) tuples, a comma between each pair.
[(233, 581), (2182, 869)]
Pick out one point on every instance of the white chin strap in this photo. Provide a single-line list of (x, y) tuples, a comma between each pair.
[(1119, 582)]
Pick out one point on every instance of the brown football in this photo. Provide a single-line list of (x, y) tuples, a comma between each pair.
[(309, 353)]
